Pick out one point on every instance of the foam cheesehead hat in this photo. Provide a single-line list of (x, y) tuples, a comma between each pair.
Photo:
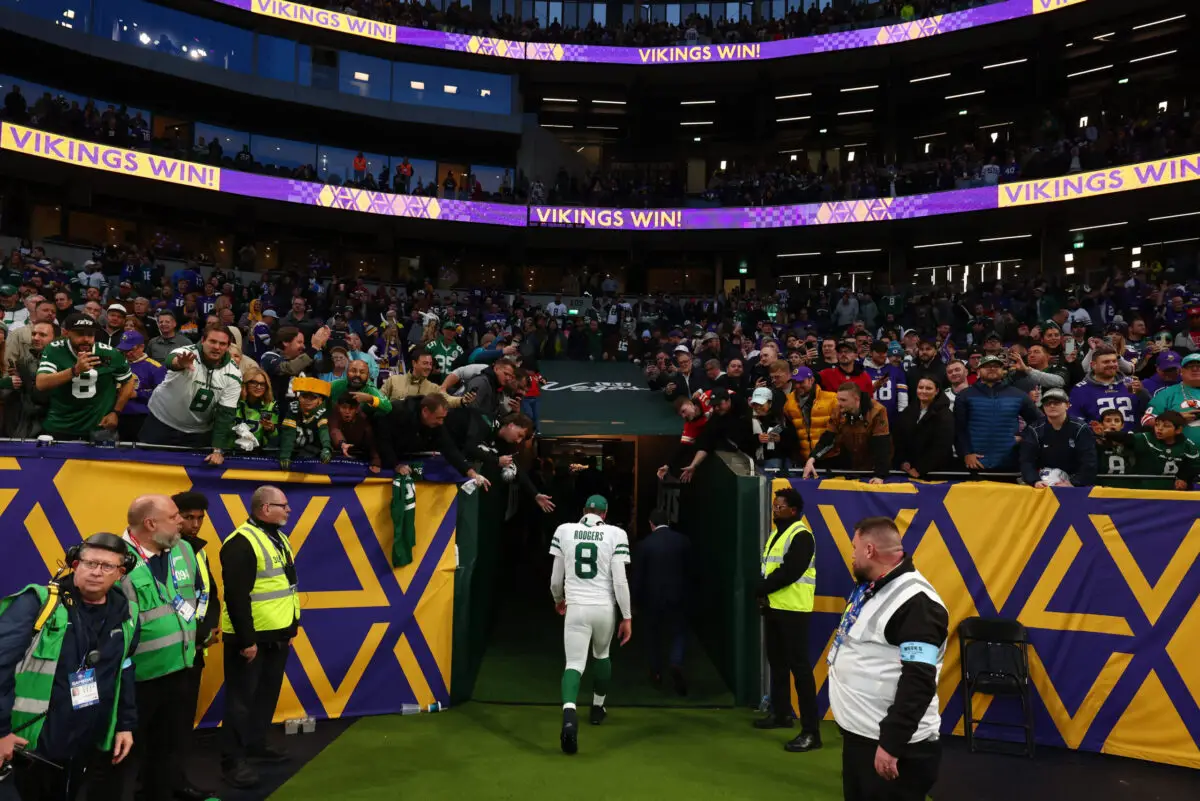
[(313, 385), (596, 502)]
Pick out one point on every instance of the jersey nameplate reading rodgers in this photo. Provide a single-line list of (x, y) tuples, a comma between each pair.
[(589, 548)]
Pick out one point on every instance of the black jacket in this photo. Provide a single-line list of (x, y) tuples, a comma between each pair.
[(728, 432), (238, 571), (68, 733), (401, 434), (660, 577), (1071, 449), (926, 443), (685, 385), (213, 614)]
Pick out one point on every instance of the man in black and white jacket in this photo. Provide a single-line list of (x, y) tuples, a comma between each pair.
[(883, 670)]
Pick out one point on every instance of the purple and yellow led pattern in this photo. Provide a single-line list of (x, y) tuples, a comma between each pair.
[(683, 54), (39, 144)]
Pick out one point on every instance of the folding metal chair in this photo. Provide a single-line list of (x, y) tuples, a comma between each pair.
[(995, 661)]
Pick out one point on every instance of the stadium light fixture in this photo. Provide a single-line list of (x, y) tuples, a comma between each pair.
[(362, 76), (994, 125), (1104, 37), (937, 245), (856, 112), (143, 38), (559, 100), (1005, 64), (1006, 238), (609, 102), (1156, 55), (860, 88), (695, 139), (1175, 216), (966, 94), (792, 119), (859, 250), (930, 136), (697, 102), (418, 85), (929, 77), (823, 130), (793, 97), (1089, 72), (962, 112), (450, 90), (697, 122), (1097, 227), (1137, 251), (796, 255), (1158, 22), (602, 128), (553, 125)]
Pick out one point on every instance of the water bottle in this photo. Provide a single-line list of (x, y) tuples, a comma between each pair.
[(410, 709)]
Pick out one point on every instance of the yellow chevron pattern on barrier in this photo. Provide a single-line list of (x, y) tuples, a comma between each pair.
[(371, 638), (1107, 581)]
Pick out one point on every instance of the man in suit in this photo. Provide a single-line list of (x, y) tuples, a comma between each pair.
[(660, 592)]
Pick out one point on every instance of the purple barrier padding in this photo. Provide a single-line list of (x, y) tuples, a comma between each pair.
[(682, 54), (436, 470)]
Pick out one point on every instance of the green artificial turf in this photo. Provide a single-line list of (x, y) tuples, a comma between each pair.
[(488, 751)]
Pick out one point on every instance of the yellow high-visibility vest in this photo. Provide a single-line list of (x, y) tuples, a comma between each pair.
[(799, 595), (274, 602)]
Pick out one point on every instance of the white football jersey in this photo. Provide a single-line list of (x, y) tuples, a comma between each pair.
[(588, 549)]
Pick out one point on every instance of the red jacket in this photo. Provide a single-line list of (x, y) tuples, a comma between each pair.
[(692, 428), (833, 378)]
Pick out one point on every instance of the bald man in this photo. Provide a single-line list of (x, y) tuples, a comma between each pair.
[(165, 586), (259, 620), (883, 670)]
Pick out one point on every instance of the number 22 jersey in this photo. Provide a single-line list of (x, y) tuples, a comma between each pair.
[(589, 548)]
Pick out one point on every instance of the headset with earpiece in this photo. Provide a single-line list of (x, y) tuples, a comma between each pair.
[(108, 542)]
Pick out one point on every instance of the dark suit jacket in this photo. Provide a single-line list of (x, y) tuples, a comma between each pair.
[(661, 569)]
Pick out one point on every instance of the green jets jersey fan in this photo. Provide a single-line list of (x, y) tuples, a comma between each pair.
[(201, 396), (446, 355), (80, 402)]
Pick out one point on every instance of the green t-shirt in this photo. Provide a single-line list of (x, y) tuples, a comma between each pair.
[(77, 406), (341, 386)]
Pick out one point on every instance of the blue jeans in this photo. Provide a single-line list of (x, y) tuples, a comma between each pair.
[(529, 408)]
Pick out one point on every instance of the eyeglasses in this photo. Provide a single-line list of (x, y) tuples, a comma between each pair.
[(256, 383), (284, 505), (92, 564)]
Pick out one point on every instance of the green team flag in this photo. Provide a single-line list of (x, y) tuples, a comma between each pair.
[(404, 519)]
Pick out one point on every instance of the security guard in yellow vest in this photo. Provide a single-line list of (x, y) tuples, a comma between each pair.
[(785, 593), (260, 618)]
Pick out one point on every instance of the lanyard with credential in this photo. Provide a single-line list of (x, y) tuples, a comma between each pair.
[(170, 570)]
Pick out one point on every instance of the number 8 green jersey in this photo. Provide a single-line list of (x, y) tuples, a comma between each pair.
[(589, 548), (77, 406)]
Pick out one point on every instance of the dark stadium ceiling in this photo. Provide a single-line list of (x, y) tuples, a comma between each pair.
[(987, 88)]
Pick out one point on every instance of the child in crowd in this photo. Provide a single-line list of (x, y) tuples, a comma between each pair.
[(351, 433), (304, 432), (1166, 453), (1114, 457)]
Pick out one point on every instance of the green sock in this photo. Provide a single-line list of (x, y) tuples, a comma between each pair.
[(601, 675), (570, 686)]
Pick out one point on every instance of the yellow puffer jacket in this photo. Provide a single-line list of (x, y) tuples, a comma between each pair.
[(823, 405)]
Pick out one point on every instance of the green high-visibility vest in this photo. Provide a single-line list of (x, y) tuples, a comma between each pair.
[(168, 640), (274, 601), (35, 673), (799, 595)]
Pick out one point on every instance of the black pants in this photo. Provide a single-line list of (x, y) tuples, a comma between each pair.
[(34, 781), (156, 432), (666, 627), (189, 699), (918, 769), (787, 654), (251, 693), (164, 725)]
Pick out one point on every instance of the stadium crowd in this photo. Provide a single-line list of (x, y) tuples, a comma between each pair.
[(814, 20), (310, 367), (1053, 148)]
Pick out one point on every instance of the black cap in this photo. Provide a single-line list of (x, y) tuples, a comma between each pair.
[(81, 324), (721, 394)]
